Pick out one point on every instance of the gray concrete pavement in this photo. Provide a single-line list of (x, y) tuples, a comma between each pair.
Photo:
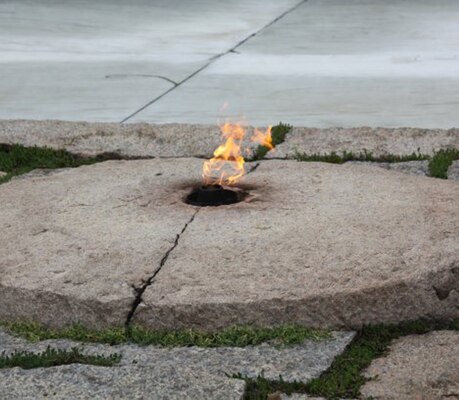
[(323, 63), (103, 60)]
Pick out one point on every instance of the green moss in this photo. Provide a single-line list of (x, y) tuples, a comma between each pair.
[(236, 336), (440, 162), (52, 357), (344, 378), (336, 158), (17, 159)]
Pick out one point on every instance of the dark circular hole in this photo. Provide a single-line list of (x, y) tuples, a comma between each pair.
[(212, 195)]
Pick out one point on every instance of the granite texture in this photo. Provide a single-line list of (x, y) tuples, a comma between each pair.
[(196, 140), (420, 168), (316, 244), (153, 372), (128, 140), (293, 396), (154, 382), (301, 362), (417, 367), (453, 171), (313, 243), (378, 141), (88, 236)]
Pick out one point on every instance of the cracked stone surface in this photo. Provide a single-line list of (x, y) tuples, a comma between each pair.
[(188, 371), (453, 171), (87, 236), (420, 168), (378, 141), (417, 367), (314, 243)]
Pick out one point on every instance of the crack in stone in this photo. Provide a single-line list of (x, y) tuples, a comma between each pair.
[(253, 168), (140, 290)]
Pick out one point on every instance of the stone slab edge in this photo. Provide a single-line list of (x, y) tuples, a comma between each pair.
[(196, 140)]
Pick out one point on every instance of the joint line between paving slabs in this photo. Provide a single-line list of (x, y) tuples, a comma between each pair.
[(140, 290), (212, 60)]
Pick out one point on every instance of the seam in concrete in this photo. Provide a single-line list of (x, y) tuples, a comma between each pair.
[(213, 59), (122, 76), (140, 290)]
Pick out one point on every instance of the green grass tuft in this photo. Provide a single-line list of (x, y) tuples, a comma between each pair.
[(35, 332), (278, 133), (52, 357), (236, 336), (345, 156), (344, 378), (17, 159), (440, 162)]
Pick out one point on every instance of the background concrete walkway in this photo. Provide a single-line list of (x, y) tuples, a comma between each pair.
[(314, 63)]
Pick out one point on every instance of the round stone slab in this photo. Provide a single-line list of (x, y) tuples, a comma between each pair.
[(313, 243), (316, 244), (75, 243)]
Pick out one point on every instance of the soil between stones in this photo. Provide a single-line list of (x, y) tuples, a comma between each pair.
[(315, 244)]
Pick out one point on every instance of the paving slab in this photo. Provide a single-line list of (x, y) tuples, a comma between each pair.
[(312, 243), (327, 64), (293, 396), (103, 61), (417, 367), (419, 168), (129, 140), (453, 171), (199, 140), (301, 362), (75, 242), (133, 382), (378, 141), (315, 244)]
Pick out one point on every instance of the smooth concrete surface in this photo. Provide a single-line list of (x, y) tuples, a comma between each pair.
[(101, 61), (333, 63), (323, 63)]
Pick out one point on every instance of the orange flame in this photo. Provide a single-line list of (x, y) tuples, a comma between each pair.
[(226, 167), (263, 138)]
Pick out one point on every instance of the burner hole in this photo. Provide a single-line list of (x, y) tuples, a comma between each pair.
[(213, 195)]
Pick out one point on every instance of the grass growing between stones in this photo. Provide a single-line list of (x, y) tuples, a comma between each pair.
[(17, 159), (236, 336), (52, 357), (278, 134), (336, 158), (440, 162), (344, 378)]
